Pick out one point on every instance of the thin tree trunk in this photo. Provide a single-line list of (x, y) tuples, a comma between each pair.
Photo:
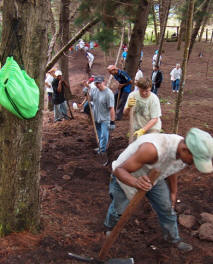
[(189, 24), (137, 38), (71, 42), (118, 55), (201, 16), (181, 33), (155, 23), (64, 33), (163, 32), (20, 140)]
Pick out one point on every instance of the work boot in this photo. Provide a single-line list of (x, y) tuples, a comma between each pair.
[(182, 246)]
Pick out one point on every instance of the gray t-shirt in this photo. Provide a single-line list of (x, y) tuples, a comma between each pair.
[(102, 101)]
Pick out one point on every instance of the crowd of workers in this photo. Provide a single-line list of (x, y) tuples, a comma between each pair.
[(168, 153)]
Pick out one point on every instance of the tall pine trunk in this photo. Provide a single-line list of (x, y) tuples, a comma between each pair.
[(155, 22), (189, 22), (20, 140), (137, 38)]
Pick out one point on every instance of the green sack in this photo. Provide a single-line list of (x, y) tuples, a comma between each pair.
[(19, 93)]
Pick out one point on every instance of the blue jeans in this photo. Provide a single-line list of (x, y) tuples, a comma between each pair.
[(159, 197), (176, 85), (154, 89), (103, 134), (59, 110)]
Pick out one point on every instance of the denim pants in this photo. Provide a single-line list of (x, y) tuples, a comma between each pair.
[(154, 89), (122, 101), (59, 110), (103, 134), (159, 197), (176, 85)]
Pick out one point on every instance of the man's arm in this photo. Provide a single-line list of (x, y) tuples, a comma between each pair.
[(146, 154), (150, 124), (172, 182), (112, 113), (59, 86)]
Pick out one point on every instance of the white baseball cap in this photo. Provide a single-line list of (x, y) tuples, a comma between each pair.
[(58, 73)]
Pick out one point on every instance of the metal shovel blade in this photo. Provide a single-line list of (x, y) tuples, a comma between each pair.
[(96, 261)]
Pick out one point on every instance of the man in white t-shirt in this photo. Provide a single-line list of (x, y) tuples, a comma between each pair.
[(90, 58), (139, 74), (154, 58), (169, 154), (175, 78), (49, 89), (146, 109)]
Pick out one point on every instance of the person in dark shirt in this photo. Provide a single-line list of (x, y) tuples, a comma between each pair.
[(124, 88), (157, 78), (60, 105)]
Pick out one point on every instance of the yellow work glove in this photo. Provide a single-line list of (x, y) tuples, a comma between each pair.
[(139, 132), (131, 102)]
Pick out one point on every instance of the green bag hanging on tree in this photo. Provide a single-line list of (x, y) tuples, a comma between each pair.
[(19, 93)]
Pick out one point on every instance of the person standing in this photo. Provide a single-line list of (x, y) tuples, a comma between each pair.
[(175, 78), (124, 88), (139, 75), (90, 58), (154, 58), (169, 154), (123, 57), (157, 78), (146, 109), (104, 114), (49, 89), (60, 105)]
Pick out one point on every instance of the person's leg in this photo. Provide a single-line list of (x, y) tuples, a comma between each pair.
[(57, 115), (104, 137), (50, 101), (159, 196), (115, 98), (177, 84), (121, 104), (63, 108), (98, 128), (173, 86), (118, 204)]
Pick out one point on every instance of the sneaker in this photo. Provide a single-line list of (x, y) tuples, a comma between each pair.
[(184, 246)]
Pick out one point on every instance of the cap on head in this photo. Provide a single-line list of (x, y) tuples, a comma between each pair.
[(200, 144), (111, 68), (58, 73), (98, 79)]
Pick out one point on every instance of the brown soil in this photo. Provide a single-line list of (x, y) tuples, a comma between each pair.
[(74, 185)]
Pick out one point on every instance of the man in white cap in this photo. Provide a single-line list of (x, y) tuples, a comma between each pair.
[(168, 153), (60, 105)]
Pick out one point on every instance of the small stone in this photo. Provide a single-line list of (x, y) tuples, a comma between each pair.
[(206, 218), (66, 177), (206, 232), (187, 220)]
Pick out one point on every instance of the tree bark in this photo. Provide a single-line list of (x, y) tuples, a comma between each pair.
[(189, 24), (163, 4), (181, 33), (20, 140), (71, 42), (155, 23), (201, 14), (163, 31), (137, 38), (64, 33)]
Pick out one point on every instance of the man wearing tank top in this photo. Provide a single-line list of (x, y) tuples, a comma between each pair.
[(168, 153)]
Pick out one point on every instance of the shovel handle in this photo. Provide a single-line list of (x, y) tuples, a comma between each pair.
[(131, 208)]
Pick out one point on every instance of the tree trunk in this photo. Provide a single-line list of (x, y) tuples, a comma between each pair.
[(189, 24), (163, 32), (181, 33), (20, 140), (163, 4), (155, 23), (71, 42), (137, 38), (64, 33), (201, 14)]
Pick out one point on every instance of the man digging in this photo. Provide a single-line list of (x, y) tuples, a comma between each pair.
[(167, 153)]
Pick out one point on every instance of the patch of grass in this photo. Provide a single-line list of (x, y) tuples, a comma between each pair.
[(206, 125)]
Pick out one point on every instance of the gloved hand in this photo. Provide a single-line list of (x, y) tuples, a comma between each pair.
[(112, 125), (85, 91), (139, 132), (131, 102)]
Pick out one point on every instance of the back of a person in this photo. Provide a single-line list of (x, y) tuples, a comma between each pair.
[(58, 98)]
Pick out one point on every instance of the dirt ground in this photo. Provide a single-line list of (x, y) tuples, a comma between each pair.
[(74, 185)]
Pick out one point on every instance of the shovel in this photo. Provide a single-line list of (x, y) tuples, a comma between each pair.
[(131, 208)]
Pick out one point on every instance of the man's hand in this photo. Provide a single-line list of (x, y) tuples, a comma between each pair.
[(112, 125), (131, 102), (143, 183), (139, 132), (120, 86), (173, 197)]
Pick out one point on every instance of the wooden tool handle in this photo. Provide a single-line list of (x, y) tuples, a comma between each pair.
[(131, 208), (131, 128)]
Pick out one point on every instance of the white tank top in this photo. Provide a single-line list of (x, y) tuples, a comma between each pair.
[(166, 146)]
